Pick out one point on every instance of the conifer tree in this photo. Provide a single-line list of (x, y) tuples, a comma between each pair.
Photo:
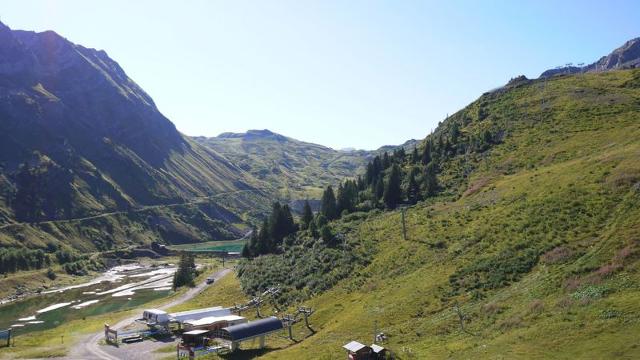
[(329, 207), (414, 155), (392, 191), (454, 132), (313, 229), (327, 235), (386, 162), (250, 248), (413, 188), (263, 240), (280, 225), (399, 155), (347, 194), (379, 189), (186, 272), (307, 215), (426, 153), (430, 180)]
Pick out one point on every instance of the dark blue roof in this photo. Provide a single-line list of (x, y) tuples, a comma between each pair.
[(253, 328)]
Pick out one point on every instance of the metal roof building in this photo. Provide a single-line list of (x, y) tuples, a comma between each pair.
[(199, 313), (357, 351), (214, 322), (242, 332), (250, 330)]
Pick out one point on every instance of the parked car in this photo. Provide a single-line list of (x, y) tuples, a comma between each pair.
[(210, 280)]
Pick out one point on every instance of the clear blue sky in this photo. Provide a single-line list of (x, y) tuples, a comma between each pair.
[(340, 73)]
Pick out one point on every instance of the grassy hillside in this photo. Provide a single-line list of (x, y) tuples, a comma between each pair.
[(219, 217), (88, 160), (534, 242), (294, 168)]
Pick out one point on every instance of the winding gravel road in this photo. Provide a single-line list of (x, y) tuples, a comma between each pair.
[(88, 348)]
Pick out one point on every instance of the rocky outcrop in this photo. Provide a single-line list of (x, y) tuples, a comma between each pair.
[(625, 57)]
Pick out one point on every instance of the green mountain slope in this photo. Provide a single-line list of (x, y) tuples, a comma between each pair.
[(79, 139), (532, 243), (294, 168)]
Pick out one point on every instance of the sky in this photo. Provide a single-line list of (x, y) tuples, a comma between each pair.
[(344, 73)]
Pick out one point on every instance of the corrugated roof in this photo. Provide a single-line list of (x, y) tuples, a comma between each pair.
[(155, 311), (196, 311), (213, 319), (253, 328), (354, 346)]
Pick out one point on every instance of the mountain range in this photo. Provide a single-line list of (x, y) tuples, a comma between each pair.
[(296, 169), (523, 239), (81, 142), (79, 138)]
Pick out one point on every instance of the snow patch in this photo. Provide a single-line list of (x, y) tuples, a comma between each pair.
[(53, 307), (85, 304)]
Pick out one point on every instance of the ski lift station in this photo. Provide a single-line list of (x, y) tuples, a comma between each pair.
[(236, 334), (155, 317), (210, 323)]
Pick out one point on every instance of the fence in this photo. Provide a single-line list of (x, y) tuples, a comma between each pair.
[(114, 336), (189, 352)]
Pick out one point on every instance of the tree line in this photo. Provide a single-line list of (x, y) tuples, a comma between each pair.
[(12, 260), (17, 259), (279, 229), (390, 180)]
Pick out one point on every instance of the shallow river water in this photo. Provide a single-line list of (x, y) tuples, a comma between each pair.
[(119, 288)]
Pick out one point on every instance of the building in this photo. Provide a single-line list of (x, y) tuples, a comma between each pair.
[(213, 322), (195, 338), (236, 334), (357, 351), (198, 314), (155, 316), (378, 352)]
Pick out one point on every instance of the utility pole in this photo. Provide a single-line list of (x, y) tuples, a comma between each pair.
[(404, 226), (289, 321), (257, 303), (306, 312), (462, 318), (375, 331)]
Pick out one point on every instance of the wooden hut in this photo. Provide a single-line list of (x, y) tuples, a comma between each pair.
[(357, 351)]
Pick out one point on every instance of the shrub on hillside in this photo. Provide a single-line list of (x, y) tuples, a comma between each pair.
[(51, 274), (511, 323), (12, 260), (565, 303), (536, 307), (557, 255), (590, 292), (492, 309), (307, 267), (494, 272)]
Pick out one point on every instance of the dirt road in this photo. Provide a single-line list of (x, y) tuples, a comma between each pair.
[(192, 201), (89, 349)]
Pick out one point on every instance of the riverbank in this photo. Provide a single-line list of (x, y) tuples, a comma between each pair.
[(57, 340)]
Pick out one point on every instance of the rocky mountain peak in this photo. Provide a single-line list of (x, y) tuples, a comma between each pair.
[(626, 56)]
